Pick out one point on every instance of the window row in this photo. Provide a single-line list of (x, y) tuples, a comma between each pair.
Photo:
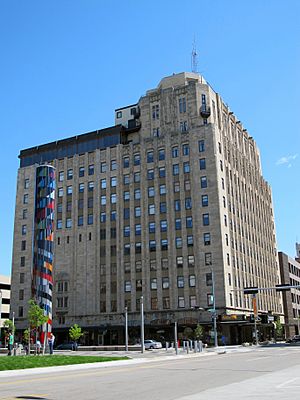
[(165, 283), (182, 302)]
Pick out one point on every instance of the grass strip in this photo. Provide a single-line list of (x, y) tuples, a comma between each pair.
[(23, 362)]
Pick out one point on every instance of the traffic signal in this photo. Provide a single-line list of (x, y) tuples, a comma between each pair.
[(283, 287), (251, 290), (251, 318)]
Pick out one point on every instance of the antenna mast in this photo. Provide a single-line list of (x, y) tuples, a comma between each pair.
[(194, 58)]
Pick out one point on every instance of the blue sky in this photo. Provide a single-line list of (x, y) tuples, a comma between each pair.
[(66, 65)]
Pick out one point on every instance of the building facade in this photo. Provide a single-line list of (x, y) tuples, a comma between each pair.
[(4, 302), (290, 274), (162, 205), (298, 251)]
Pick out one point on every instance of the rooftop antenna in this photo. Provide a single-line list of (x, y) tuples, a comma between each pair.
[(194, 58)]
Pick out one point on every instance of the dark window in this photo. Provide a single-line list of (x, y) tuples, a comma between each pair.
[(202, 163), (205, 219), (177, 206), (150, 157), (126, 213), (190, 240), (188, 203), (126, 231), (175, 169), (161, 154), (177, 223), (189, 222), (186, 167), (162, 172), (151, 227), (203, 182), (204, 199), (175, 152), (90, 219), (113, 165), (206, 239), (152, 245), (137, 159), (81, 172), (208, 259), (201, 146), (125, 162), (150, 174), (69, 174), (163, 226), (185, 149), (164, 244), (163, 207), (91, 169)]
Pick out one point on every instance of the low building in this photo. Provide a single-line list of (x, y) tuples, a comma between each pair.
[(4, 300), (290, 273)]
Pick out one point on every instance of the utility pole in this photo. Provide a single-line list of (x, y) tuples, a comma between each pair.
[(126, 329), (142, 325)]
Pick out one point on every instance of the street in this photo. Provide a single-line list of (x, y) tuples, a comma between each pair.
[(246, 374)]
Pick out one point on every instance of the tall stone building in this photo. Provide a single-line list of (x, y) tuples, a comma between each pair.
[(169, 198)]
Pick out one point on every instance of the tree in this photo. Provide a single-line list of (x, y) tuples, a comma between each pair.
[(75, 333), (278, 329), (199, 332), (36, 318), (9, 326)]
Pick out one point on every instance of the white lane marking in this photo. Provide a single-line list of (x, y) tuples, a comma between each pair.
[(258, 358), (286, 383)]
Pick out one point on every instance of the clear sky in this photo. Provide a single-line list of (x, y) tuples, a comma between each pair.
[(66, 65)]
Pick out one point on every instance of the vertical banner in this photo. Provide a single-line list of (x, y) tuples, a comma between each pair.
[(42, 276), (254, 304)]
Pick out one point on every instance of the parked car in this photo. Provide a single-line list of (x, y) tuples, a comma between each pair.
[(152, 344), (67, 346), (294, 339)]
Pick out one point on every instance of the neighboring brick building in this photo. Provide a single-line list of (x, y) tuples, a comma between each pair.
[(151, 207), (290, 274)]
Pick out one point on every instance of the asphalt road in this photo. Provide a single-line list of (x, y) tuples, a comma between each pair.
[(265, 373)]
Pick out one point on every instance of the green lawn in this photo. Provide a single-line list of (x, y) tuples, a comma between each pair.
[(22, 362)]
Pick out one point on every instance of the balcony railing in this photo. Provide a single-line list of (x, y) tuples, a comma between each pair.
[(205, 111)]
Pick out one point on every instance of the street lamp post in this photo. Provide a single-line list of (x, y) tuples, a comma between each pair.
[(214, 309), (142, 325), (254, 303), (126, 329), (175, 338)]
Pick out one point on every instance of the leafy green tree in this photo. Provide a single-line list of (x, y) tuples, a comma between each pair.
[(75, 333), (278, 329), (9, 326), (199, 332), (36, 318)]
